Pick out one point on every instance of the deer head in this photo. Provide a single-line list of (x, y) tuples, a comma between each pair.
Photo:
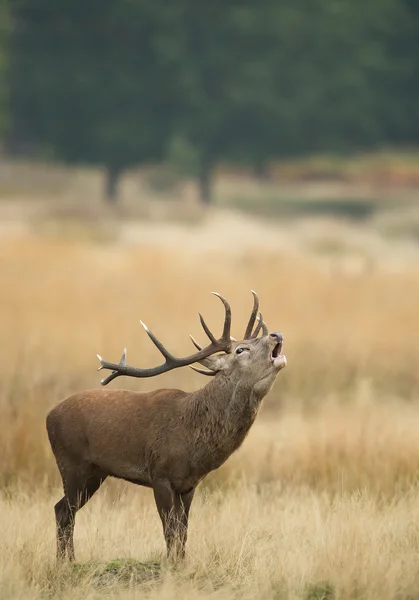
[(254, 361)]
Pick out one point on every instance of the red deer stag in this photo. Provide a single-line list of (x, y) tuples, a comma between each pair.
[(168, 440)]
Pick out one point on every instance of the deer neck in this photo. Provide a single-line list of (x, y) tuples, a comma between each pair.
[(223, 412)]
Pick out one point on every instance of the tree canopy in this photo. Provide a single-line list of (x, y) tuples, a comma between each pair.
[(113, 82), (4, 67), (94, 81)]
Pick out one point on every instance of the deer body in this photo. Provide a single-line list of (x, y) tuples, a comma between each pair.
[(168, 440)]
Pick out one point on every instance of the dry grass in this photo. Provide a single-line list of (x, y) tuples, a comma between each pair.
[(322, 499), (253, 542)]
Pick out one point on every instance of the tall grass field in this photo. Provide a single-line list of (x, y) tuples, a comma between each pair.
[(322, 500)]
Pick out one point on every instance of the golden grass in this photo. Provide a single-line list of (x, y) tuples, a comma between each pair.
[(270, 541), (63, 301), (322, 499)]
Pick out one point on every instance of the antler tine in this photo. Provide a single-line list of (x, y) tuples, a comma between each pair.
[(258, 327), (157, 343), (206, 329), (210, 335), (195, 343), (223, 344), (261, 325), (198, 347), (204, 371), (265, 330), (114, 374), (227, 322), (227, 319), (252, 319)]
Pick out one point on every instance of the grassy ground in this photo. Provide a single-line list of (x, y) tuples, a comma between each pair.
[(266, 541), (321, 502)]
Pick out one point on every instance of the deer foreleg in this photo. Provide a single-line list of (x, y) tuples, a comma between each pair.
[(173, 509), (184, 502)]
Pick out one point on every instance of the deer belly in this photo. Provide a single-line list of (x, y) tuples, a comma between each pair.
[(132, 473), (123, 468)]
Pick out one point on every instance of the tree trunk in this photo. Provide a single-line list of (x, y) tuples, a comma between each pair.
[(205, 182), (113, 175), (262, 171)]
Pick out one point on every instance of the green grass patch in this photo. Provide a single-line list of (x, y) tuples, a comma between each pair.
[(130, 570), (119, 572), (320, 591)]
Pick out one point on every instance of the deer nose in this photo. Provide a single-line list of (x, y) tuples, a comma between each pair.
[(278, 337)]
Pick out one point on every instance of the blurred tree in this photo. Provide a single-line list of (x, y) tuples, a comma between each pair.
[(413, 52), (400, 98), (411, 90), (120, 83), (271, 79), (94, 81), (207, 73), (4, 67)]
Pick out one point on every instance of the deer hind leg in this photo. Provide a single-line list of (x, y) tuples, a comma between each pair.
[(64, 518), (173, 509), (78, 490)]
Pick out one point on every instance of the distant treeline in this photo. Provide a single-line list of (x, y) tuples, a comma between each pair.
[(125, 82)]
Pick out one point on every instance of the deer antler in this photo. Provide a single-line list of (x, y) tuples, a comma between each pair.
[(223, 344), (247, 336), (261, 325), (253, 315)]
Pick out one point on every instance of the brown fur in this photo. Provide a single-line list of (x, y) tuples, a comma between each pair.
[(168, 440)]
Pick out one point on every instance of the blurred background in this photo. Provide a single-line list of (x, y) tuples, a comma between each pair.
[(152, 152)]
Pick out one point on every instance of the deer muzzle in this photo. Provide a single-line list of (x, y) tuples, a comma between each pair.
[(279, 360)]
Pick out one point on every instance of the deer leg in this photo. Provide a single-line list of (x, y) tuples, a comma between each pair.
[(77, 493), (63, 518), (165, 502), (65, 511), (185, 501), (173, 509)]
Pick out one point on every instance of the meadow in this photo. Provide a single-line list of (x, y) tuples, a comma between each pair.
[(321, 501)]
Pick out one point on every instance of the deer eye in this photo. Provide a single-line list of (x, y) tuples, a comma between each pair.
[(240, 350)]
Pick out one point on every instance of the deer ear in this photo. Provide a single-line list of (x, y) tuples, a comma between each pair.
[(215, 362)]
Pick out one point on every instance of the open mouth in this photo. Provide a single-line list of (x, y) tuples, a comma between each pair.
[(276, 351), (278, 360)]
